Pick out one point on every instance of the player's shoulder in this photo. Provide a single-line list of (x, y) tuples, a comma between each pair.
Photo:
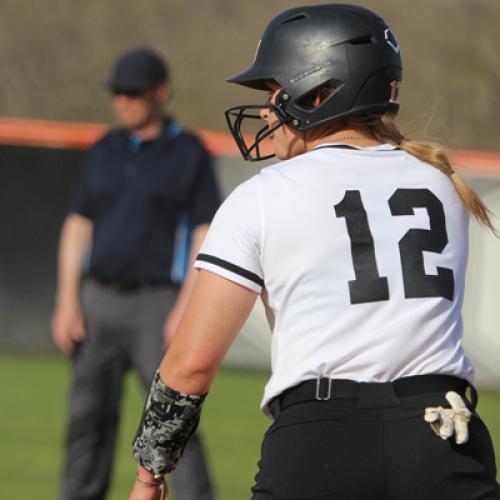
[(300, 165), (308, 158), (297, 162), (244, 197), (426, 169), (247, 190)]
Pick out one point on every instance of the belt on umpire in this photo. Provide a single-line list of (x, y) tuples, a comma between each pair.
[(325, 389), (127, 285)]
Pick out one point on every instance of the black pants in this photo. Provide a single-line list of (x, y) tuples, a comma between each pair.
[(356, 449)]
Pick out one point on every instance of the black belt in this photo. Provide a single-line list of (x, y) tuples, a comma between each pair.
[(127, 285), (324, 389)]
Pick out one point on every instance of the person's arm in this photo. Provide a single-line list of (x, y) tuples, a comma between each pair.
[(216, 311), (67, 321), (229, 281), (175, 315)]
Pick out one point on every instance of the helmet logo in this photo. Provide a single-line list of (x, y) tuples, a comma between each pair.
[(395, 85), (310, 71), (391, 40)]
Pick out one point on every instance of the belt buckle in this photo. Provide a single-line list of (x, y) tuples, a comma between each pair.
[(124, 286), (319, 396), (115, 285)]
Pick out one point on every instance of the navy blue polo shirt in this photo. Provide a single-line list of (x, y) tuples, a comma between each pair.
[(143, 198)]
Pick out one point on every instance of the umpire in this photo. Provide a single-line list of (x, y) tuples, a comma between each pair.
[(140, 211)]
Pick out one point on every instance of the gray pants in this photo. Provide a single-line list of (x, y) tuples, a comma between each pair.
[(124, 330)]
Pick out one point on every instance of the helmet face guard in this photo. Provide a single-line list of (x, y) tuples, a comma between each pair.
[(346, 49), (236, 117)]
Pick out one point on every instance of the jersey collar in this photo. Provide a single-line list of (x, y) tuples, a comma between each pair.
[(170, 131), (343, 145)]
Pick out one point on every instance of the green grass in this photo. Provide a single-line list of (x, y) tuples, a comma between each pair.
[(32, 423)]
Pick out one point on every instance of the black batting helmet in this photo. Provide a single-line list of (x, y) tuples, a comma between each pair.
[(347, 49)]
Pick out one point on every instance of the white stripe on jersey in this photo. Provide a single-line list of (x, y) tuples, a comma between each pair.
[(362, 253)]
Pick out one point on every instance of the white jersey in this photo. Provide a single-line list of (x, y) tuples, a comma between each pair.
[(360, 256)]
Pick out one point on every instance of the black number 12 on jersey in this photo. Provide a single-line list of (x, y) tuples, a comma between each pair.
[(369, 286)]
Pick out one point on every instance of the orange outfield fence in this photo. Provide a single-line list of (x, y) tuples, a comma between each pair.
[(70, 135)]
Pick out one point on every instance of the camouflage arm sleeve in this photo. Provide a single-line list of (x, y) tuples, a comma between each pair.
[(169, 419)]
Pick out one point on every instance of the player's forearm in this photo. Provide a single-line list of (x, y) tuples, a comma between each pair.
[(74, 241), (190, 371), (216, 312)]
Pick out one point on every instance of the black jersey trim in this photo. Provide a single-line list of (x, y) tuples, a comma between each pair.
[(245, 273), (348, 146)]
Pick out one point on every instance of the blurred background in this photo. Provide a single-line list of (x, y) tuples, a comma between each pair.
[(55, 56)]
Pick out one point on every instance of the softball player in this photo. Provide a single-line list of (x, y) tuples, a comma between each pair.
[(357, 245)]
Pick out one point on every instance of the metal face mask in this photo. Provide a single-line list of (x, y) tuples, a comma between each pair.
[(249, 144)]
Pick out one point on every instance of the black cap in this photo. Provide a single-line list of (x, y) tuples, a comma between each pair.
[(138, 70)]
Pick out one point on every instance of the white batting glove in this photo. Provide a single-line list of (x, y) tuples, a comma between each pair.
[(446, 422)]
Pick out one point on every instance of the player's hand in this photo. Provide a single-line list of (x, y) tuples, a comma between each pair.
[(447, 422), (147, 490), (67, 327), (141, 492)]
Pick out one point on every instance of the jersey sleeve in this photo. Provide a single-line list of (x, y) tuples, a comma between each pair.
[(80, 201), (232, 246)]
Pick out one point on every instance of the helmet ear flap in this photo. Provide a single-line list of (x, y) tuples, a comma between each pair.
[(384, 83)]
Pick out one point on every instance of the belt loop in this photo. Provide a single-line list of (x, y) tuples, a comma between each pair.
[(275, 407), (319, 395)]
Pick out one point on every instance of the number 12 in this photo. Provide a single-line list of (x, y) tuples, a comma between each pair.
[(369, 286)]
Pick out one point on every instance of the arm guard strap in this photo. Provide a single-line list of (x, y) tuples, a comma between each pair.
[(169, 419)]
